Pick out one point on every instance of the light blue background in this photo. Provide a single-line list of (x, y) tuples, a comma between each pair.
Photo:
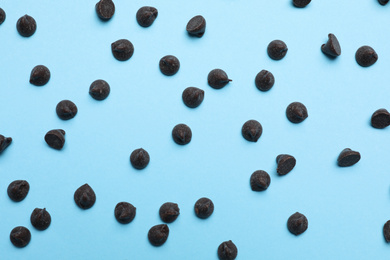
[(346, 207)]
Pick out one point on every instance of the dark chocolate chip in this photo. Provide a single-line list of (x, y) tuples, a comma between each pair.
[(285, 163), (40, 75), (55, 138), (332, 47), (66, 109), (264, 80), (20, 236), (348, 157), (99, 89), (251, 130), (193, 97), (2, 16), (386, 231), (296, 112), (366, 56), (260, 180), (383, 2), (380, 119), (122, 49), (227, 251), (169, 212), (4, 142), (139, 158), (40, 219), (196, 26), (297, 223), (277, 50), (85, 197), (146, 16), (124, 212), (26, 26), (169, 65), (18, 190), (301, 3), (105, 9), (204, 207), (182, 134), (158, 234), (218, 78)]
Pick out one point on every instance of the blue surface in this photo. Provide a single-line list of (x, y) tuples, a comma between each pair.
[(346, 207)]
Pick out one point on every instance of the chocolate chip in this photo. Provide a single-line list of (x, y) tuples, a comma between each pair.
[(146, 16), (301, 3), (386, 231), (105, 9), (40, 219), (40, 75), (251, 130), (296, 112), (66, 109), (124, 212), (26, 26), (196, 26), (227, 251), (158, 234), (332, 47), (99, 89), (297, 223), (366, 56), (85, 197), (2, 16), (20, 236), (277, 50), (204, 207), (348, 157), (285, 163), (169, 212), (193, 97), (55, 138), (264, 80), (139, 158), (122, 49), (182, 134), (383, 2), (380, 119), (169, 65), (4, 142), (217, 79), (18, 190), (260, 180)]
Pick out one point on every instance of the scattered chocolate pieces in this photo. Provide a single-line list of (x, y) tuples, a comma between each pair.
[(301, 3), (297, 223), (348, 157), (124, 212), (99, 89), (139, 158), (122, 49), (26, 26), (227, 251), (20, 236), (169, 65), (386, 231), (55, 138), (105, 9), (285, 163), (146, 16), (40, 219), (383, 2), (251, 130), (260, 180), (332, 47), (366, 56), (204, 207), (2, 16), (40, 75), (277, 50), (196, 26), (158, 234), (217, 79), (85, 197), (380, 119), (193, 97), (296, 112), (66, 109), (169, 212), (4, 142), (18, 190), (264, 80), (182, 134)]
